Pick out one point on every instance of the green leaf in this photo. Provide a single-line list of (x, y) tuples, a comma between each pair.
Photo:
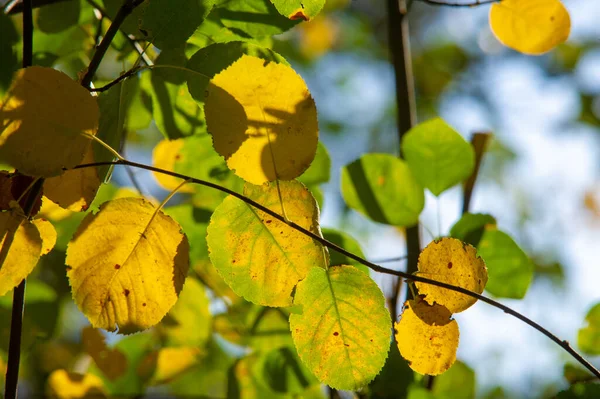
[(169, 23), (574, 374), (57, 17), (8, 55), (252, 18), (343, 334), (194, 222), (175, 112), (212, 30), (437, 155), (299, 9), (394, 379), (456, 383), (471, 226), (581, 391), (131, 25), (261, 258), (588, 338), (283, 372), (348, 243), (510, 270), (382, 187), (319, 170)]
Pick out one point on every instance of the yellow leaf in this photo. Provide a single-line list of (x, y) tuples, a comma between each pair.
[(47, 234), (172, 362), (530, 26), (64, 385), (75, 189), (427, 337), (451, 261), (112, 362), (164, 156), (263, 120), (20, 250), (42, 122), (127, 265), (261, 258), (53, 211)]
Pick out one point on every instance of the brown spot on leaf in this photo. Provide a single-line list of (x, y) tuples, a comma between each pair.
[(346, 345), (449, 265), (268, 221), (336, 333), (117, 266), (144, 304), (299, 14), (69, 268), (126, 292)]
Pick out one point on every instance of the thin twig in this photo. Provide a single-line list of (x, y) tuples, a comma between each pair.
[(121, 78), (414, 278), (479, 142), (452, 4), (124, 11), (399, 43)]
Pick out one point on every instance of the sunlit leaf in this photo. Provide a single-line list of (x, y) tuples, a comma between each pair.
[(20, 249), (46, 100), (207, 273), (253, 19), (319, 170), (261, 258), (263, 120), (348, 243), (382, 187), (457, 383), (47, 234), (427, 337), (164, 156), (75, 189), (437, 155), (453, 262), (169, 23), (343, 333), (172, 362), (510, 270), (470, 227), (574, 374), (111, 362), (530, 26), (127, 265), (299, 9), (64, 385), (188, 323), (588, 338)]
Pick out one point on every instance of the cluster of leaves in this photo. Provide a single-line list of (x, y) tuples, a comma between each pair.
[(236, 116)]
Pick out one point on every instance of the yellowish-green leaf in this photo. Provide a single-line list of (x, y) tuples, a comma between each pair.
[(42, 121), (263, 120), (451, 261), (343, 333), (47, 234), (427, 337), (530, 26), (588, 337), (20, 249), (64, 385), (261, 258), (173, 362), (112, 362), (164, 156), (75, 189), (299, 9), (189, 322), (128, 264)]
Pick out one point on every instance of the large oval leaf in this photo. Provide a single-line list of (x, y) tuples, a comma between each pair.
[(343, 332), (261, 258), (127, 265)]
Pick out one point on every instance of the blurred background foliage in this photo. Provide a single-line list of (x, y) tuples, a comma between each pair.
[(540, 179)]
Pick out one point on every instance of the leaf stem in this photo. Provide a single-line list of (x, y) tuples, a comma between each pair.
[(413, 278), (124, 11)]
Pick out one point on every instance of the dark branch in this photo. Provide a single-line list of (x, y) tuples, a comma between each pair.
[(479, 142), (409, 277)]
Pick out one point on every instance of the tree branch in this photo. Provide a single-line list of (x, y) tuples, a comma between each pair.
[(409, 277), (126, 9), (452, 4), (479, 142)]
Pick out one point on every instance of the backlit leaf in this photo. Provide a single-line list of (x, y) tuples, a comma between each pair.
[(510, 270), (64, 385), (343, 333), (427, 337), (451, 261), (319, 170), (437, 155), (345, 241), (112, 362), (172, 362), (164, 156), (530, 26), (471, 226), (169, 23), (263, 120), (256, 18), (47, 234), (283, 372), (75, 189), (457, 383), (382, 187), (261, 258), (127, 265), (20, 249), (46, 100), (299, 9), (588, 338)]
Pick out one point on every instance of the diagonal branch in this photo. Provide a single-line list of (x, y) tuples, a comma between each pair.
[(409, 277)]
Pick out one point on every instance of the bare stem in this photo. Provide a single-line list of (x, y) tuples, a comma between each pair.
[(409, 277)]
